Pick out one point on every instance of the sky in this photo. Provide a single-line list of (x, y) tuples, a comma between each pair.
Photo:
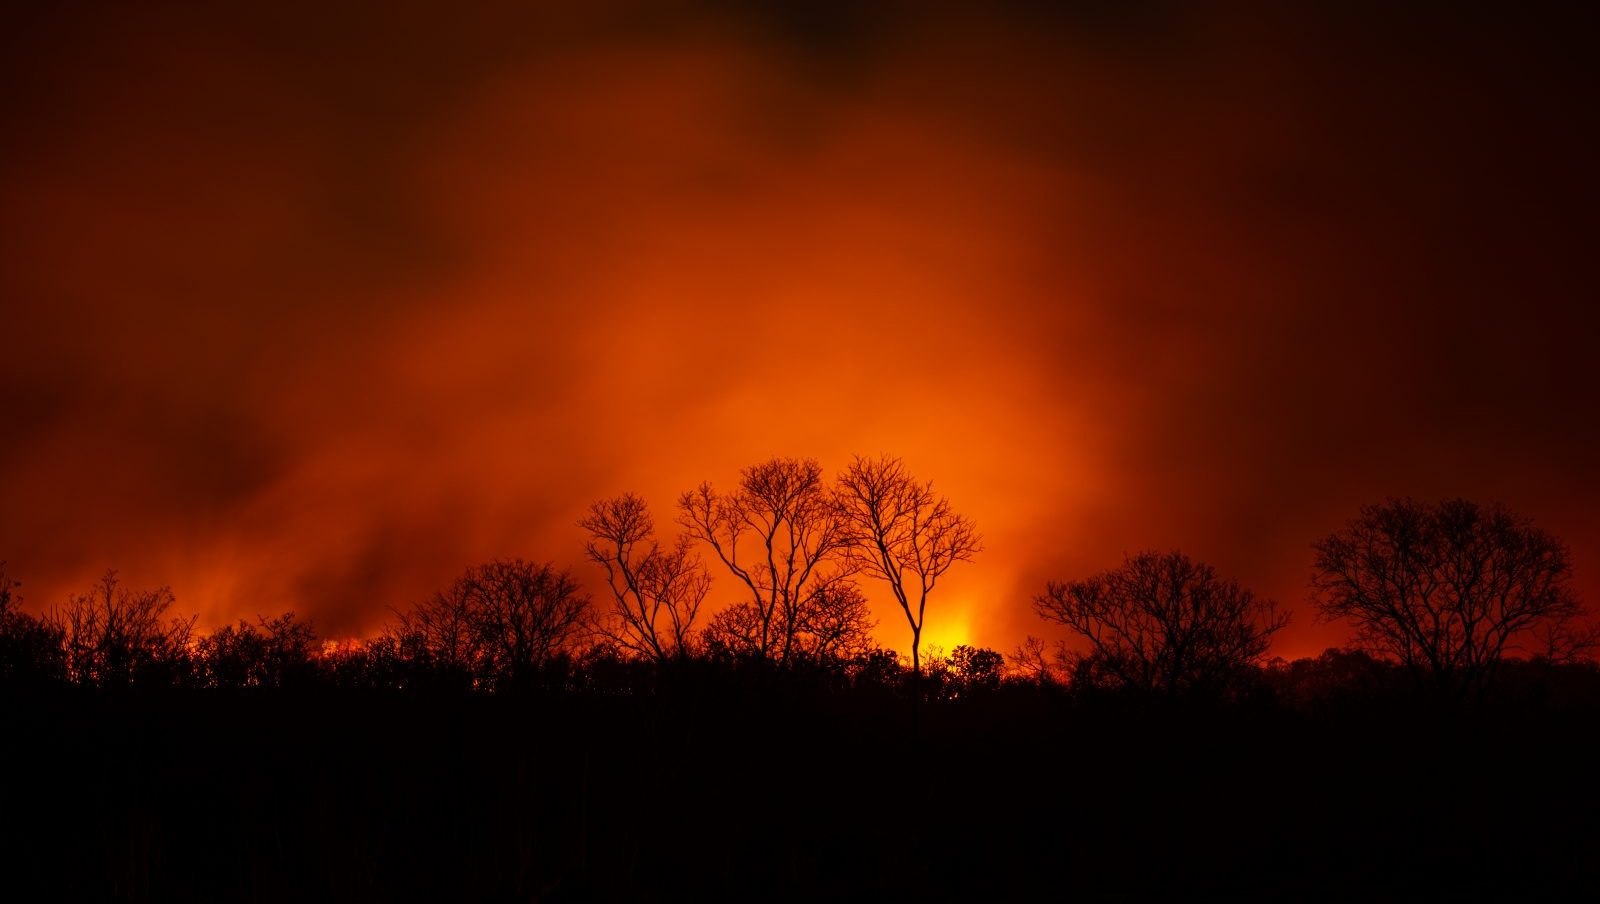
[(311, 308)]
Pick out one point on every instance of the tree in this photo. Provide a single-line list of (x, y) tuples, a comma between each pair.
[(232, 656), (290, 644), (834, 626), (1030, 661), (1164, 624), (835, 623), (1448, 589), (379, 662), (656, 593), (10, 599), (777, 532), (977, 669), (30, 648), (273, 652), (525, 614), (440, 635), (499, 624), (114, 636), (735, 631), (1338, 675), (900, 531)]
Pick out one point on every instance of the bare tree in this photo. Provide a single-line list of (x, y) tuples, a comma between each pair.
[(735, 631), (30, 648), (1031, 662), (835, 623), (775, 533), (900, 531), (231, 656), (497, 625), (272, 652), (441, 633), (1449, 589), (656, 593), (523, 615), (115, 636), (1164, 624), (1565, 641), (9, 597)]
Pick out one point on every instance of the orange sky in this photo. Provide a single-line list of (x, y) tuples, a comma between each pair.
[(312, 310)]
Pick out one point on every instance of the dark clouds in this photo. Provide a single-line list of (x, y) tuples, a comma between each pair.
[(311, 308)]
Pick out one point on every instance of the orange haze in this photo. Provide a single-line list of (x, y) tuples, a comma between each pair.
[(305, 309)]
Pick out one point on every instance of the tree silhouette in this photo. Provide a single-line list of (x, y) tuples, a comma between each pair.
[(1336, 675), (1448, 589), (977, 668), (274, 652), (656, 593), (1162, 623), (30, 648), (384, 661), (776, 533), (290, 644), (232, 656), (10, 599), (528, 613), (114, 636), (499, 624), (735, 631), (441, 635), (899, 530), (1565, 641), (833, 625), (1030, 662)]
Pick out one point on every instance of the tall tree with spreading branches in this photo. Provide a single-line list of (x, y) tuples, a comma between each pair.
[(1164, 624), (1449, 589), (778, 533), (897, 529), (656, 593)]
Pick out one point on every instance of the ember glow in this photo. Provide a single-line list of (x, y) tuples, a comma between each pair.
[(310, 310)]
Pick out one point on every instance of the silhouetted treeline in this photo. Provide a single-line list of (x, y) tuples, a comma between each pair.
[(508, 739), (488, 638), (1453, 603)]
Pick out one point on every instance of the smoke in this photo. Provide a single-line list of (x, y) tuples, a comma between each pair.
[(310, 310)]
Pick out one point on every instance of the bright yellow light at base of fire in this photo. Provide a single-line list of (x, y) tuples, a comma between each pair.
[(943, 632)]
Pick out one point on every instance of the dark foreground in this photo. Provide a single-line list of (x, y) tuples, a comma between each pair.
[(340, 794)]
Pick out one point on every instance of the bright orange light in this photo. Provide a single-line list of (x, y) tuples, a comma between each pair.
[(945, 631), (323, 358)]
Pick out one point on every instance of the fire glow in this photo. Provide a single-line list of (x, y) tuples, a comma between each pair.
[(324, 347)]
